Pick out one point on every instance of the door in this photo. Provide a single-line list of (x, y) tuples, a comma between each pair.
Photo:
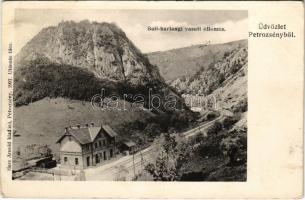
[(88, 161), (105, 157), (96, 158), (111, 153)]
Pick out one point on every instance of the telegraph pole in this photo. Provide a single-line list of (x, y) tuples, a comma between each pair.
[(59, 173), (142, 160), (144, 141), (134, 169)]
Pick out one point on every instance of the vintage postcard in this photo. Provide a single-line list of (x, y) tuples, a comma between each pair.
[(152, 99)]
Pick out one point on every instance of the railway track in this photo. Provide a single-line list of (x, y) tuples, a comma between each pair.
[(133, 163)]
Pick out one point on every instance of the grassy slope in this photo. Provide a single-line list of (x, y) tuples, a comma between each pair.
[(188, 60), (43, 122)]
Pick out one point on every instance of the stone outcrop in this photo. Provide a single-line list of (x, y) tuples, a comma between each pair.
[(102, 48)]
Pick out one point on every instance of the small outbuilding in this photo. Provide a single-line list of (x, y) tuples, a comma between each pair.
[(128, 147)]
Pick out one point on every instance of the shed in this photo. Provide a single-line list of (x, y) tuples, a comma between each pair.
[(129, 146)]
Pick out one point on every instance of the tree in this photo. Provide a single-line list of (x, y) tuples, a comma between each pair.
[(235, 148), (162, 170), (229, 121), (211, 116), (215, 128), (199, 137), (169, 143), (152, 130), (170, 160)]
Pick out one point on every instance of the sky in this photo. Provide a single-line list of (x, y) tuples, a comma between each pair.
[(28, 22)]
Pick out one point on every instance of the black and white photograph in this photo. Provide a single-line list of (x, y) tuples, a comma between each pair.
[(130, 95)]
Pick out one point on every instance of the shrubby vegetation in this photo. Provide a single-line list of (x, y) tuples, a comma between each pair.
[(36, 81), (219, 156), (143, 132), (234, 146), (212, 115), (222, 154), (170, 160), (242, 106)]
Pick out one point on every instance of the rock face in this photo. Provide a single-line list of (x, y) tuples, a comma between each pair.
[(102, 48), (207, 79), (100, 52)]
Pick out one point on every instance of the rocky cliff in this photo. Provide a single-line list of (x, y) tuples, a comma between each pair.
[(101, 49), (223, 75)]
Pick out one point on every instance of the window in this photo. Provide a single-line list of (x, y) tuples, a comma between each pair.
[(76, 161), (100, 143), (65, 159), (95, 145), (104, 142)]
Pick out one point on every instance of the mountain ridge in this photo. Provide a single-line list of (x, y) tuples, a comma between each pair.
[(195, 45), (221, 75), (186, 61), (90, 47), (103, 48)]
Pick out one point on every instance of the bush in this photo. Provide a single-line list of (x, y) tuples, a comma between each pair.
[(228, 122), (215, 128), (211, 116), (152, 130), (242, 106), (162, 170), (235, 148)]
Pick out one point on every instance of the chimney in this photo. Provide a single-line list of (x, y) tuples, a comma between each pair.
[(66, 129), (92, 124), (78, 126)]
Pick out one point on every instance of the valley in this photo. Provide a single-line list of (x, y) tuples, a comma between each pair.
[(63, 67)]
